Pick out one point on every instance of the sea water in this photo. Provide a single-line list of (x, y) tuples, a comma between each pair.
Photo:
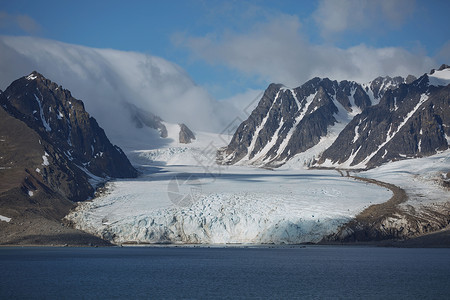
[(224, 272)]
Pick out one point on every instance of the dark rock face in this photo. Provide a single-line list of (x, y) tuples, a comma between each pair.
[(410, 121), (186, 135), (290, 121), (76, 152), (35, 209), (380, 85)]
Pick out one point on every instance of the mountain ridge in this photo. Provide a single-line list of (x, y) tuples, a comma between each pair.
[(290, 121), (410, 121)]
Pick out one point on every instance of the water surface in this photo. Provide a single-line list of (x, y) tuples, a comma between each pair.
[(259, 272)]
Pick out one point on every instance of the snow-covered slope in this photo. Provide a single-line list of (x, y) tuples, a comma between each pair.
[(421, 178), (169, 151), (440, 77)]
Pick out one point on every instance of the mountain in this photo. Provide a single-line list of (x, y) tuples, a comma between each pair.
[(79, 148), (142, 118), (52, 153), (409, 122), (290, 121)]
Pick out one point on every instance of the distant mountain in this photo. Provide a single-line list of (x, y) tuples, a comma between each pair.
[(290, 121), (186, 136), (142, 118), (410, 121)]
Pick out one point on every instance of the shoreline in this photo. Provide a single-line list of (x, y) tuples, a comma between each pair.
[(412, 243), (363, 228)]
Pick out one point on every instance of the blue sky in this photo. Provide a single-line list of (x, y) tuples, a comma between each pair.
[(230, 47)]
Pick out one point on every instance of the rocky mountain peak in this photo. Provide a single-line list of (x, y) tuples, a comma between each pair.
[(74, 138), (412, 120), (442, 67), (288, 122)]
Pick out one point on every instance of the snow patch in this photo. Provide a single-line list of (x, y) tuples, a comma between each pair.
[(439, 78), (448, 139), (261, 155), (93, 180), (5, 219), (41, 112), (31, 77), (45, 159), (356, 137), (355, 109)]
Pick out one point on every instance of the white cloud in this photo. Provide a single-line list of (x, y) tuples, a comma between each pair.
[(443, 55), (105, 78), (277, 52), (335, 17), (245, 102), (23, 22)]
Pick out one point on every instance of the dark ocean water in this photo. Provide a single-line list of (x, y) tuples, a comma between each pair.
[(315, 272)]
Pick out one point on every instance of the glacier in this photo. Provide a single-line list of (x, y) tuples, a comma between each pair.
[(225, 204)]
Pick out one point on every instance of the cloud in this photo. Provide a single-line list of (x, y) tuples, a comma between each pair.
[(104, 79), (245, 102), (443, 55), (334, 17), (23, 22), (276, 51)]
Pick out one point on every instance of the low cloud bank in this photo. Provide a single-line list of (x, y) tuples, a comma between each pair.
[(104, 79)]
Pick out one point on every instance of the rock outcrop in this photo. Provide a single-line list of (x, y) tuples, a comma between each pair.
[(186, 135)]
